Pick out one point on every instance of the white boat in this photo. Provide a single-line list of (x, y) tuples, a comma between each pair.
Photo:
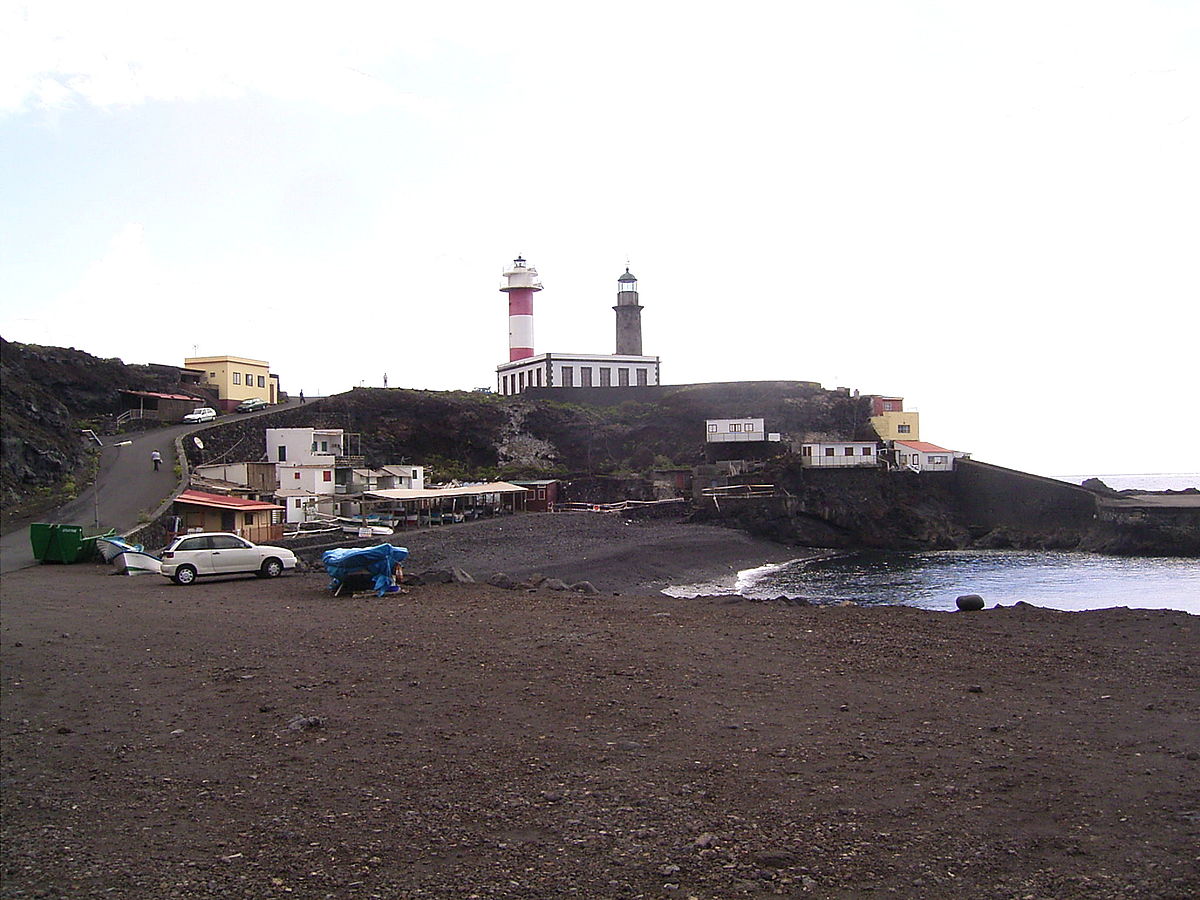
[(369, 526), (366, 529), (135, 562), (314, 527), (110, 546)]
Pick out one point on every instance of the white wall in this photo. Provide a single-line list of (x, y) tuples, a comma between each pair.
[(816, 455), (719, 431), (508, 380), (927, 461), (408, 477), (305, 478), (297, 507), (234, 473), (299, 445)]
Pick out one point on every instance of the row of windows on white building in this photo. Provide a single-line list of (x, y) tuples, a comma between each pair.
[(588, 377)]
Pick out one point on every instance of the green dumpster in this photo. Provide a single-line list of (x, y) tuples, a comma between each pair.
[(59, 543), (40, 534)]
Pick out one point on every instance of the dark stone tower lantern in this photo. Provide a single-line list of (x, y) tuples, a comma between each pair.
[(629, 316)]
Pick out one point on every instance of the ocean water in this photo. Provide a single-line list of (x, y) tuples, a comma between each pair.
[(1172, 481), (933, 580)]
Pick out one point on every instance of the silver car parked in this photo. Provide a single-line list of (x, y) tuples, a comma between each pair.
[(221, 553)]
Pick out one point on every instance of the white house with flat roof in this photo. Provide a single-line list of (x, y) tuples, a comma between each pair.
[(720, 431), (838, 454), (305, 446)]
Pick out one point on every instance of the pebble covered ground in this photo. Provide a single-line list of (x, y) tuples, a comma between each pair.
[(251, 738)]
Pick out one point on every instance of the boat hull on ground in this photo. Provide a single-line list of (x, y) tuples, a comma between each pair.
[(111, 547), (368, 530), (135, 562)]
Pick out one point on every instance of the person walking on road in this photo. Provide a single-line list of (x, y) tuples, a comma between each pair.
[(156, 458)]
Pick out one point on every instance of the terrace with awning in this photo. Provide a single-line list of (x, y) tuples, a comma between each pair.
[(432, 506)]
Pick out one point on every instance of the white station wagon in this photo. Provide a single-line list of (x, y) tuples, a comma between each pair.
[(220, 553)]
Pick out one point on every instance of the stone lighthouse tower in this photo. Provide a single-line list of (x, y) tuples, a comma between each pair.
[(520, 284), (629, 316)]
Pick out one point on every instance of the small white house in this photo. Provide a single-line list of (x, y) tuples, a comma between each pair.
[(720, 431), (921, 456), (403, 477), (838, 454), (305, 446)]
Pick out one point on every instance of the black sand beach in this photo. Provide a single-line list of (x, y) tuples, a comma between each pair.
[(248, 738)]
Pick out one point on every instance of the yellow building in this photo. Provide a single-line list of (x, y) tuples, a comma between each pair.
[(236, 378), (897, 425)]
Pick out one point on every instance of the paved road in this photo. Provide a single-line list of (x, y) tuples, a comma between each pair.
[(127, 489)]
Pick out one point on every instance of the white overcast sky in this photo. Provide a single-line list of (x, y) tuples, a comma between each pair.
[(990, 209)]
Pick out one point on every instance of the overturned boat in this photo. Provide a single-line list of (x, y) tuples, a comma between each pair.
[(136, 562), (110, 546)]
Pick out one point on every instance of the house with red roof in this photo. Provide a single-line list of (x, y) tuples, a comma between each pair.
[(255, 520), (922, 456)]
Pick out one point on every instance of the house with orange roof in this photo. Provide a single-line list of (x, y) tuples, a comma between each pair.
[(922, 456)]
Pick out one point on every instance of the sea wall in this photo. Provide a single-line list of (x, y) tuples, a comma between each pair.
[(1132, 529), (846, 508), (1002, 507)]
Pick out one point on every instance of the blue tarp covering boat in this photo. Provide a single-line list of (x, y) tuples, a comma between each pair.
[(379, 561)]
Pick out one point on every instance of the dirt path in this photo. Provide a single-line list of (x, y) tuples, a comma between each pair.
[(246, 738)]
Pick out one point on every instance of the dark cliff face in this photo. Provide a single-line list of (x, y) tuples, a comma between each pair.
[(47, 394), (471, 435), (977, 505), (849, 508), (459, 431), (974, 506)]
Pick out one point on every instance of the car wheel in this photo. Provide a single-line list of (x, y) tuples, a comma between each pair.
[(184, 575), (271, 568)]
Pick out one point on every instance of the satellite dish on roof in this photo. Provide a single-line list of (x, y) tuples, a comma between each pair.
[(199, 443)]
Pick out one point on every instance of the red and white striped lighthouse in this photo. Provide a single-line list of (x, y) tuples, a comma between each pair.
[(521, 282)]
